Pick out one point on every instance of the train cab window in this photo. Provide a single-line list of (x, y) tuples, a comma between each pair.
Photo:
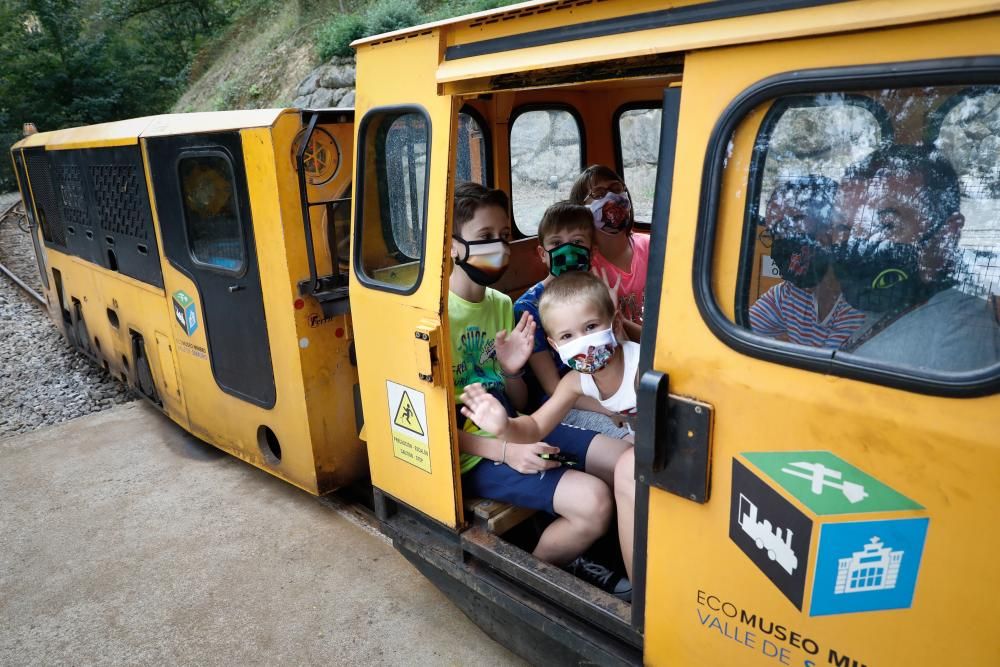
[(394, 167), (639, 143), (471, 159), (208, 192), (546, 149), (871, 232)]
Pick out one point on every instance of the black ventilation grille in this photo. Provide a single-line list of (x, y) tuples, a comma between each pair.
[(46, 203), (121, 207)]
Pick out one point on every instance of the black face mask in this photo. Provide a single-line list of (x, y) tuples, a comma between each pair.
[(485, 262), (882, 277), (801, 259)]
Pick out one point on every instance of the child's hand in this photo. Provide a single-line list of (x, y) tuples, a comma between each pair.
[(612, 289), (484, 409), (514, 348), (526, 460)]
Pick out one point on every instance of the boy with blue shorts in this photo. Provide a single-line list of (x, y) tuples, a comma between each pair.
[(488, 348)]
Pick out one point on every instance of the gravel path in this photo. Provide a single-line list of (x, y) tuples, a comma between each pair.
[(42, 379)]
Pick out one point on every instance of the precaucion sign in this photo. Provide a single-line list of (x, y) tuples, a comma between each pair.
[(408, 413)]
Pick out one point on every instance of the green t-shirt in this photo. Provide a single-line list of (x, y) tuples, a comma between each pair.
[(474, 328)]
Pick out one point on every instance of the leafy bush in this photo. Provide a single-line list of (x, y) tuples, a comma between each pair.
[(462, 7), (334, 38), (389, 15)]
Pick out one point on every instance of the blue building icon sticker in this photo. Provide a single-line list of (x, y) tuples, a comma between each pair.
[(185, 311), (784, 501)]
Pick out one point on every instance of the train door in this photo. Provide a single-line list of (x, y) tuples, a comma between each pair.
[(29, 209), (398, 281), (204, 212), (819, 488)]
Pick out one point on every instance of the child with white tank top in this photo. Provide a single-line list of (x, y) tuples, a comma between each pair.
[(579, 318)]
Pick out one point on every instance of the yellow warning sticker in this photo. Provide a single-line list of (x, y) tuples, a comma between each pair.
[(409, 425), (406, 416)]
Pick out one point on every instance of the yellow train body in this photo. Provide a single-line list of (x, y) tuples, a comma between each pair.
[(309, 436)]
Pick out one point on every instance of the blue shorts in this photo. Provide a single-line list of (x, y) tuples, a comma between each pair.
[(503, 483)]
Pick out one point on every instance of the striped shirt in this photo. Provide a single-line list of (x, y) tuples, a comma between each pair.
[(787, 310)]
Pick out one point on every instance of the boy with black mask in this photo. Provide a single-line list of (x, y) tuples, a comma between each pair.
[(897, 260), (487, 348), (807, 307)]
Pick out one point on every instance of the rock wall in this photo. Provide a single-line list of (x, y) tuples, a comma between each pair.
[(329, 85)]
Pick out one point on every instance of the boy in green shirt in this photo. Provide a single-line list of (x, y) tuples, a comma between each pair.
[(488, 348)]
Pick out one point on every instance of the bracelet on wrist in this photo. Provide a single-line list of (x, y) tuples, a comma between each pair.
[(511, 376), (503, 455)]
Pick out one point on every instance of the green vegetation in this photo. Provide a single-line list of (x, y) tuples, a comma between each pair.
[(65, 63), (334, 37)]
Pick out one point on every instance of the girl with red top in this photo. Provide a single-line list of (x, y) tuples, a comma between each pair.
[(620, 257)]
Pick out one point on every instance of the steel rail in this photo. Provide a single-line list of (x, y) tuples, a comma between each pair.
[(10, 274)]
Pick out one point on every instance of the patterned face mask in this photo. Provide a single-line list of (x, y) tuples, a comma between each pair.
[(589, 354), (612, 213), (568, 257), (485, 262)]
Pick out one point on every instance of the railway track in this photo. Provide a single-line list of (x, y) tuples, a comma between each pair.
[(14, 215)]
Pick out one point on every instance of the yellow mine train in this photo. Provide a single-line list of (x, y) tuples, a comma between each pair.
[(276, 282)]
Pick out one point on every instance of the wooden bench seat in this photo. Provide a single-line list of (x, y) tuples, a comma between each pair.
[(495, 516)]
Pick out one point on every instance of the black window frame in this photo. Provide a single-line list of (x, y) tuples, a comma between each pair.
[(969, 71), (360, 191), (224, 154), (540, 106), (758, 158), (616, 117), (473, 113)]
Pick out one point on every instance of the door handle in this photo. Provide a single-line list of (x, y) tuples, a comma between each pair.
[(236, 288), (673, 443), (427, 339)]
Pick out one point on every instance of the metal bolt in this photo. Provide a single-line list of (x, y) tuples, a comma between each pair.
[(697, 409), (642, 478), (693, 497)]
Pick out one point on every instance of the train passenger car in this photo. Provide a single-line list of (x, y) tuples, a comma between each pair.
[(800, 499), (173, 252)]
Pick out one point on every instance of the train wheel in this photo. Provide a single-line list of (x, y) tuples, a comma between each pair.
[(82, 337), (143, 372)]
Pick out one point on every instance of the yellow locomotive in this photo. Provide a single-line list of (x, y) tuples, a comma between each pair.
[(277, 280)]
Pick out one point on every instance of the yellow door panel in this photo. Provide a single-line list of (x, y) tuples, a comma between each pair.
[(847, 522), (398, 284)]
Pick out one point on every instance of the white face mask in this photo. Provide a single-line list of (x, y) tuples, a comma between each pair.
[(590, 353), (612, 213)]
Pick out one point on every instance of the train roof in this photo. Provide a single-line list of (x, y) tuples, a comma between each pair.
[(126, 132), (551, 33)]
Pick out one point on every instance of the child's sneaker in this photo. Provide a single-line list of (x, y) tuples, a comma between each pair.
[(602, 577)]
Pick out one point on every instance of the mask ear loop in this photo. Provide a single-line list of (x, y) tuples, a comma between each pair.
[(631, 208), (465, 244)]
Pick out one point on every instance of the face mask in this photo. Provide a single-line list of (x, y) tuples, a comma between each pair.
[(568, 257), (800, 259), (485, 261), (612, 213), (590, 353), (882, 277)]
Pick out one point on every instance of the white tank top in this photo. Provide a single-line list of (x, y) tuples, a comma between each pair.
[(622, 401)]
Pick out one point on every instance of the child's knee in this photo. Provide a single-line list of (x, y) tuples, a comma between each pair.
[(586, 501), (598, 505), (625, 476)]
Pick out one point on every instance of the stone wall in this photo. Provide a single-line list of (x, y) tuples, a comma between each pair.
[(329, 85)]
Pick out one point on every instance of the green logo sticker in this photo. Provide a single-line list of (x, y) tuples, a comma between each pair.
[(185, 311), (827, 484)]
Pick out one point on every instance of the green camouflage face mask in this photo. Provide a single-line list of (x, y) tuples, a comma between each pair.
[(568, 257)]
